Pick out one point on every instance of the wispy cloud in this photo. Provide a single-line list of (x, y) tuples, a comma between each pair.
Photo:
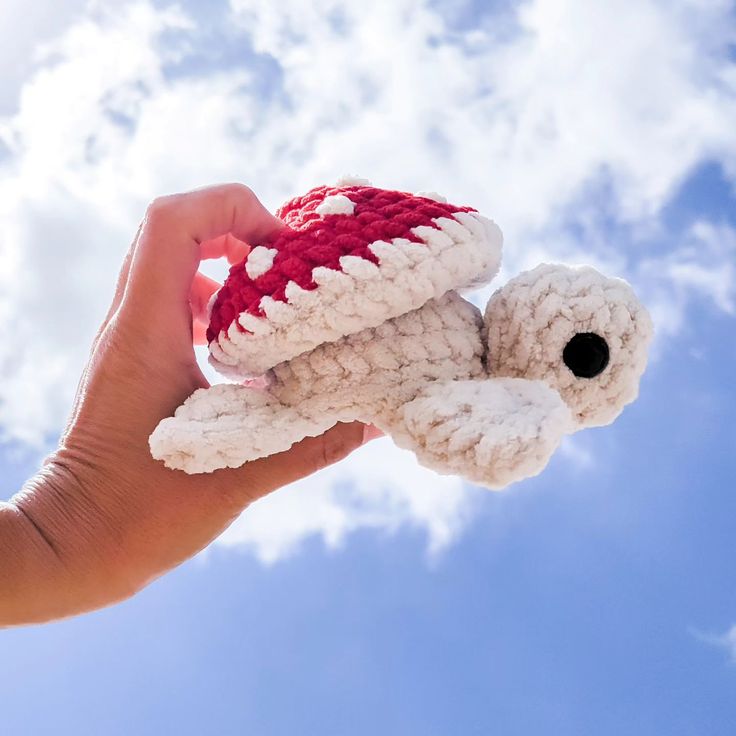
[(557, 118), (725, 641), (700, 266), (384, 489)]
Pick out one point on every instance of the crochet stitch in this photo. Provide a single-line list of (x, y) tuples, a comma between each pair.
[(352, 314), (351, 257)]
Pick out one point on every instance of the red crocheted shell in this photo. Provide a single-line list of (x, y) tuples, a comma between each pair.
[(314, 240), (317, 241)]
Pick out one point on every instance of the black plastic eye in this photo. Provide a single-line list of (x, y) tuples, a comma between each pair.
[(586, 355)]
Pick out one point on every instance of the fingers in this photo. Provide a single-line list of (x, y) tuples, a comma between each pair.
[(168, 251), (226, 245), (315, 453), (204, 288), (119, 289), (371, 432), (200, 294), (263, 476), (199, 333), (123, 276)]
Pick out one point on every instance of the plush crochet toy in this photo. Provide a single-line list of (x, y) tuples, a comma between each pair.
[(352, 313)]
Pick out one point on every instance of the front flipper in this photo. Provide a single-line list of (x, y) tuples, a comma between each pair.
[(227, 425), (493, 432)]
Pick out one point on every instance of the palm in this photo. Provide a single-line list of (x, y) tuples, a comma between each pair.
[(142, 367)]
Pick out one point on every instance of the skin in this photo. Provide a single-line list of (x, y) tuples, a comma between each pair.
[(102, 519)]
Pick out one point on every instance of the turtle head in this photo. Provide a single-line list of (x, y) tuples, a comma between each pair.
[(584, 334)]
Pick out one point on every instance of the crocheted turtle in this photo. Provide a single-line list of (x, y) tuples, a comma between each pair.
[(353, 313)]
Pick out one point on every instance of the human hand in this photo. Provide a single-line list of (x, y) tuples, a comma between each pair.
[(102, 518)]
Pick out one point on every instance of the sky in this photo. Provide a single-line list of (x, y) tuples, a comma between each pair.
[(378, 597)]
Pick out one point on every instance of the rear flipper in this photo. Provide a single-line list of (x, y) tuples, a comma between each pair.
[(227, 425), (493, 432)]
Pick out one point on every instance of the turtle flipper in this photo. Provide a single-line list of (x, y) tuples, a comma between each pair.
[(227, 425), (493, 432)]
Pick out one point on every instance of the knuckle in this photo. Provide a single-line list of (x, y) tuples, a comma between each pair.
[(230, 192), (159, 209), (236, 196), (236, 189), (335, 446)]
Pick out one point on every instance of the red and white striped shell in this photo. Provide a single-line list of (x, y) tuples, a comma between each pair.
[(352, 257)]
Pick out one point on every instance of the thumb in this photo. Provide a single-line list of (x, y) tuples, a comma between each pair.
[(303, 459)]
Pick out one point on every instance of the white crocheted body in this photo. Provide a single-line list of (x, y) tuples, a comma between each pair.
[(460, 251), (489, 400), (367, 376), (493, 432)]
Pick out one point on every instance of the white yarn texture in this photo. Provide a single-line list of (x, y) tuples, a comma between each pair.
[(485, 397), (530, 320), (460, 251), (423, 378)]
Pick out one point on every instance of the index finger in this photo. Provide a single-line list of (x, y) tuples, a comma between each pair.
[(229, 246), (168, 251)]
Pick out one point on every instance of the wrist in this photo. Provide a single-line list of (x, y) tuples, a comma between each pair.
[(70, 561)]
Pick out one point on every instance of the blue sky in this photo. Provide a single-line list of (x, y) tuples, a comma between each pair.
[(571, 604), (593, 598)]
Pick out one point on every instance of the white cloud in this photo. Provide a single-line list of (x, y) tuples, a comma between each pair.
[(705, 264), (574, 449), (562, 112), (380, 487), (30, 23), (701, 266), (726, 641), (580, 94)]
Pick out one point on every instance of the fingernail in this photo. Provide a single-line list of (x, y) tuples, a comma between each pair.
[(371, 432)]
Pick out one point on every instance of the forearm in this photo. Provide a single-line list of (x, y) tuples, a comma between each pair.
[(50, 566), (28, 565)]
